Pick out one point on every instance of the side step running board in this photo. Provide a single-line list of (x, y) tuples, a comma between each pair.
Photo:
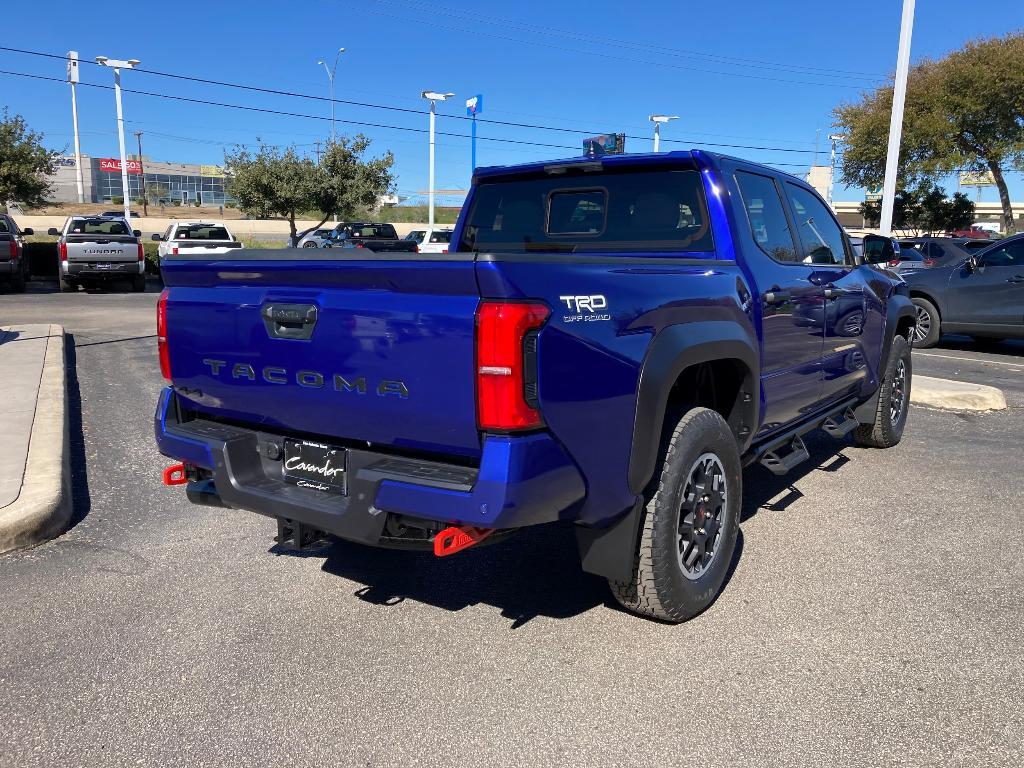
[(840, 429), (780, 465)]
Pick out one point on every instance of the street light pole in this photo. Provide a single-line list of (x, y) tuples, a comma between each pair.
[(433, 97), (658, 120), (330, 84), (899, 96), (73, 80), (117, 66)]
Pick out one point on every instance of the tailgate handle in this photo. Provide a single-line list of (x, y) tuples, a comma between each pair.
[(289, 321)]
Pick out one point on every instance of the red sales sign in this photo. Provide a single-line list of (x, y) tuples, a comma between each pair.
[(113, 165)]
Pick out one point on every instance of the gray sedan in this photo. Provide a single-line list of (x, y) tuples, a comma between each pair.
[(981, 295), (314, 239)]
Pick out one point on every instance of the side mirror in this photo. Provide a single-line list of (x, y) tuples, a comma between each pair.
[(28, 231), (137, 233), (53, 231), (880, 250), (155, 237)]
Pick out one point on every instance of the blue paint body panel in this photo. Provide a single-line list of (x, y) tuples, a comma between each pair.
[(386, 319)]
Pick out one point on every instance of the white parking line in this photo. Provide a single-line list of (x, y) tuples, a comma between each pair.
[(970, 359)]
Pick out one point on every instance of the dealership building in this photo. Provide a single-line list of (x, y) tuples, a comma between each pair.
[(167, 183)]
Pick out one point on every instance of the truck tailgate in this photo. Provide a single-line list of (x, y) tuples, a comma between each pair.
[(331, 345), (102, 248)]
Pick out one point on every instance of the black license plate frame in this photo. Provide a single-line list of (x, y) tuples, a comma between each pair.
[(318, 466)]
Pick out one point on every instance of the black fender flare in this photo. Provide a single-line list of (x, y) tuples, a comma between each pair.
[(672, 351), (898, 308)]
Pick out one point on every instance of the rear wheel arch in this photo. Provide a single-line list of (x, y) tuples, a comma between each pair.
[(712, 365)]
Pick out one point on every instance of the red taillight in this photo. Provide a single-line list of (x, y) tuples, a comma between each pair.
[(444, 250), (929, 262), (506, 364), (14, 250), (416, 248), (894, 262), (161, 336), (63, 250), (142, 253)]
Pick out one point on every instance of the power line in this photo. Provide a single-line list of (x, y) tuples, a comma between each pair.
[(476, 17), (407, 110)]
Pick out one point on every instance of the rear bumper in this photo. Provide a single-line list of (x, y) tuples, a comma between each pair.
[(521, 481), (95, 270)]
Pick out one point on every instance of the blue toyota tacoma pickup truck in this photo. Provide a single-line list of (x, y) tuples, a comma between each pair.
[(609, 341)]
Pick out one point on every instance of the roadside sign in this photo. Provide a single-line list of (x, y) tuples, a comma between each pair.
[(977, 179), (113, 165), (475, 105), (873, 195)]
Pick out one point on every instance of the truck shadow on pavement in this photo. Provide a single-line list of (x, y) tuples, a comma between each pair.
[(535, 572)]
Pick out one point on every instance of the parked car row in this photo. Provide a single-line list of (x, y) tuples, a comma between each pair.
[(378, 236)]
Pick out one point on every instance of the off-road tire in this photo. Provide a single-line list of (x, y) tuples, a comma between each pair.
[(139, 283), (884, 432), (658, 588), (310, 244), (931, 338)]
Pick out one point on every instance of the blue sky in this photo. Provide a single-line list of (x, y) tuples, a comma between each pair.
[(751, 73)]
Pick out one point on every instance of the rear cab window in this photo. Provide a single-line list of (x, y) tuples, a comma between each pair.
[(614, 211), (99, 227), (202, 232)]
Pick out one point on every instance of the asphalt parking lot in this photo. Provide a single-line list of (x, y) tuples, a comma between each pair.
[(874, 614)]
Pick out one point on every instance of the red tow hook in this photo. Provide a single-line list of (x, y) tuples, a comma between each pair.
[(175, 475), (457, 538)]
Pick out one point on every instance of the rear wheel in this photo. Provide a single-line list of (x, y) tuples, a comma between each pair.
[(928, 329), (309, 244), (893, 401), (689, 525)]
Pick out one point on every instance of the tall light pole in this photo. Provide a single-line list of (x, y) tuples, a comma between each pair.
[(73, 80), (433, 97), (834, 137), (117, 66), (899, 96), (330, 83), (658, 120)]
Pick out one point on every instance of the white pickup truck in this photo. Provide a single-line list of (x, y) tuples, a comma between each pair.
[(208, 238), (96, 249), (431, 240)]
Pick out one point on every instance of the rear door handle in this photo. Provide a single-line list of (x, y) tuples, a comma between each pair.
[(776, 296)]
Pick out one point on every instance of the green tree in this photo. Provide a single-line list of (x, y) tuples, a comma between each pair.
[(25, 164), (276, 182), (924, 208), (965, 111)]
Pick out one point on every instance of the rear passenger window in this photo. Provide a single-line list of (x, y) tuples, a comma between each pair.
[(820, 234), (614, 211), (767, 217)]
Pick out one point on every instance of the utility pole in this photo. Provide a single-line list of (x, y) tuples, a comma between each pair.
[(142, 177), (433, 97), (73, 80), (316, 148), (117, 65), (899, 97), (832, 164)]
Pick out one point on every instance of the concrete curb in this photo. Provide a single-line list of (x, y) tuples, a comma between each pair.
[(43, 507), (955, 395)]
